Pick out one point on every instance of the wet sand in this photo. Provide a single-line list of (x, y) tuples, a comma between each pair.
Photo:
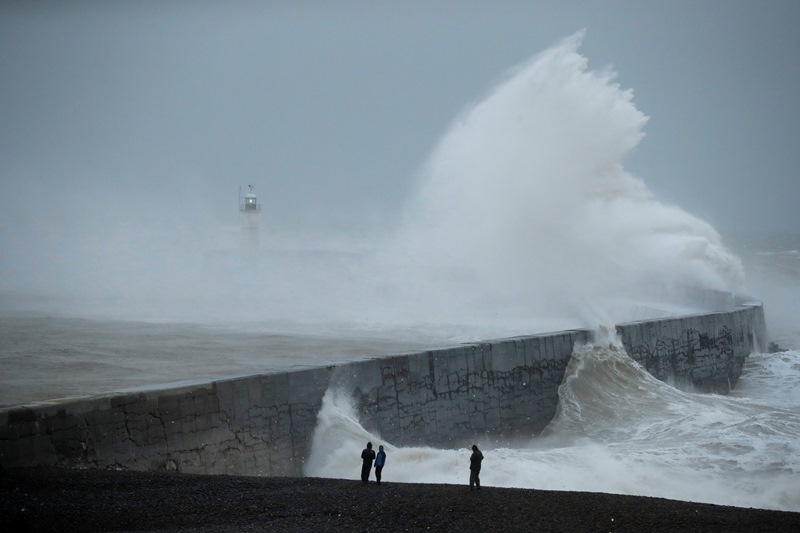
[(56, 499)]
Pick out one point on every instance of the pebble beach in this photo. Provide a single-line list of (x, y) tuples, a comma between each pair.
[(59, 499)]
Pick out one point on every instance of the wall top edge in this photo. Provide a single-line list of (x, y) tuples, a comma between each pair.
[(177, 387)]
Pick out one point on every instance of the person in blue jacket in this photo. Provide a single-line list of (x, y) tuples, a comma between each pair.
[(380, 460)]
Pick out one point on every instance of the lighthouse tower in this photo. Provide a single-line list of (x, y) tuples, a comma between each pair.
[(249, 210)]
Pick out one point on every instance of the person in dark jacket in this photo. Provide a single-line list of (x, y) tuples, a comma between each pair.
[(380, 460), (367, 456), (475, 468)]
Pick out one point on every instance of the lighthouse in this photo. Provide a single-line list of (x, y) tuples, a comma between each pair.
[(249, 210)]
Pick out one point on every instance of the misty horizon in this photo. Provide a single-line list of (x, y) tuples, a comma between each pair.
[(130, 130)]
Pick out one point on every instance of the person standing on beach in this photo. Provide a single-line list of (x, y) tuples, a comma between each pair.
[(367, 456), (475, 467), (380, 460)]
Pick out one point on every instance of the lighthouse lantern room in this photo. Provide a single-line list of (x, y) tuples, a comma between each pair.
[(250, 201), (249, 209)]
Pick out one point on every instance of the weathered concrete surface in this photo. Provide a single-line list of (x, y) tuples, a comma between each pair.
[(705, 353), (445, 397), (256, 425), (264, 424)]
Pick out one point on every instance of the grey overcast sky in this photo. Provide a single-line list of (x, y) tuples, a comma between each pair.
[(330, 108)]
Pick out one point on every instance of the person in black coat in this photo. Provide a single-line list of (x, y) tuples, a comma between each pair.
[(367, 456), (475, 468)]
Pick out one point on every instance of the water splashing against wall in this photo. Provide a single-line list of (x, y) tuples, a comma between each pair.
[(525, 206)]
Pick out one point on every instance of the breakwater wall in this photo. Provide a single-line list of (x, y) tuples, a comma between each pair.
[(264, 424)]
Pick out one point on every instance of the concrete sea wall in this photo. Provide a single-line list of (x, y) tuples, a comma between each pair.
[(264, 424)]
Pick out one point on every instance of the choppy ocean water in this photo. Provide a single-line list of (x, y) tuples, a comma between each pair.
[(96, 305), (618, 429)]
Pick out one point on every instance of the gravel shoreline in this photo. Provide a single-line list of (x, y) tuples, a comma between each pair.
[(58, 499)]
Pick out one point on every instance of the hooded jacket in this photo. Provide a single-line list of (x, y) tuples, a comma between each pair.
[(380, 459)]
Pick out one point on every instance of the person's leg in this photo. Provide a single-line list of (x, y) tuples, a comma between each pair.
[(378, 474)]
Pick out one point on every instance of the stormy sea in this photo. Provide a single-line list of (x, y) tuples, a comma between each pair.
[(523, 221)]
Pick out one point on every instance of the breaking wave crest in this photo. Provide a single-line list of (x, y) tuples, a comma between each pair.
[(525, 206)]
